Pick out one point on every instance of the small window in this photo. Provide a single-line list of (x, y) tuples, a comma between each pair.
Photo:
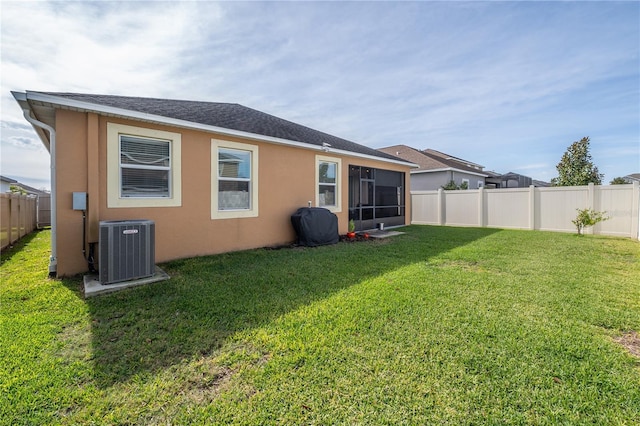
[(480, 184), (464, 184), (234, 180), (328, 182), (143, 167)]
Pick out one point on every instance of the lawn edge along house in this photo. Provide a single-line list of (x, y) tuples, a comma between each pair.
[(213, 177)]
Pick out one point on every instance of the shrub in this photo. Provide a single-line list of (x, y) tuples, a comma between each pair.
[(588, 217)]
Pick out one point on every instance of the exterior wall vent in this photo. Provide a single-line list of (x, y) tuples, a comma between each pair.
[(127, 250)]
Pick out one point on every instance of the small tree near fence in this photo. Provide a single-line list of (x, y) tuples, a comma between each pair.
[(588, 217)]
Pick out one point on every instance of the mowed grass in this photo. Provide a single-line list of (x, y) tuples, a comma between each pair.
[(437, 326)]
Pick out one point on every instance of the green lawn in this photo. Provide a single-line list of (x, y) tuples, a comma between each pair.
[(438, 326)]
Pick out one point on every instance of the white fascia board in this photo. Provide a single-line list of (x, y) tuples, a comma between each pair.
[(125, 113), (21, 98), (449, 169)]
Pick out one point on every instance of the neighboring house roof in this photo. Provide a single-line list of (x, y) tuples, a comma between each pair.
[(32, 190), (225, 118), (492, 174), (430, 161), (540, 183), (633, 177), (7, 179), (450, 158), (28, 189)]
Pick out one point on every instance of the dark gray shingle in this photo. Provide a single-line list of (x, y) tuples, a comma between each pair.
[(228, 116)]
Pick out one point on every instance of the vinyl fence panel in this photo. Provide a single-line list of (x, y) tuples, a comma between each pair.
[(547, 209), (425, 207), (507, 208)]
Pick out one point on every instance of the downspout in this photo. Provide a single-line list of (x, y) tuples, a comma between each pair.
[(53, 260)]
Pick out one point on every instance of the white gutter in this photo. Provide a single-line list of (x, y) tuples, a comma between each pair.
[(120, 112), (53, 260)]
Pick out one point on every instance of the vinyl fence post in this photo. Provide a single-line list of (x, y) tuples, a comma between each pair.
[(635, 211), (441, 207), (481, 207), (591, 204), (532, 207)]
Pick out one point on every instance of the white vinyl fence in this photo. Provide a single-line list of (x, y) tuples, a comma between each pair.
[(545, 209)]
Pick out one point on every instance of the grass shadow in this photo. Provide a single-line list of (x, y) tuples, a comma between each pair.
[(18, 247), (208, 299)]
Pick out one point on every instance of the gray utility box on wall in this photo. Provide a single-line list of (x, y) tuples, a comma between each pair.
[(127, 250)]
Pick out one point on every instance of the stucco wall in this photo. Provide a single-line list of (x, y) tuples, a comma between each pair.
[(286, 182), (436, 180)]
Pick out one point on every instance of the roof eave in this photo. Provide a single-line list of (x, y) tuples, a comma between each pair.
[(159, 119), (23, 102)]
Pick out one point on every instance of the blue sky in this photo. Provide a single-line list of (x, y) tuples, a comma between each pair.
[(509, 85)]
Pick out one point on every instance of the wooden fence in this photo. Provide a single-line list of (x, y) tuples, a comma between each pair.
[(546, 209), (18, 217), (44, 210)]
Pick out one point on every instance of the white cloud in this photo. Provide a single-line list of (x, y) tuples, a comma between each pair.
[(487, 81)]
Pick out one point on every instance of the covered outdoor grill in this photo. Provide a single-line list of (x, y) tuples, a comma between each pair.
[(315, 226)]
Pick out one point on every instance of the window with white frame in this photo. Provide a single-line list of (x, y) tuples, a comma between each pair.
[(464, 184), (328, 182), (143, 167), (480, 184), (234, 180)]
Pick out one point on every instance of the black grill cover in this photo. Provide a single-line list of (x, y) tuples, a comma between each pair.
[(315, 226)]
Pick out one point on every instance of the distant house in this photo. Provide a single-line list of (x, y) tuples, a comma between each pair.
[(6, 183), (633, 177), (214, 177), (437, 169), (540, 184), (512, 180), (515, 180)]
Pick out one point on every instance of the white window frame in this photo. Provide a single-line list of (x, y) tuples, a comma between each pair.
[(252, 211), (480, 184), (468, 184), (114, 183), (338, 184)]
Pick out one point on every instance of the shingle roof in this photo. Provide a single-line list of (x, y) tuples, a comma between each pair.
[(8, 179), (633, 176), (224, 115), (451, 159), (429, 159), (414, 156)]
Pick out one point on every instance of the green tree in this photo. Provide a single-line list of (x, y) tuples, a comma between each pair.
[(15, 189), (618, 181), (576, 166)]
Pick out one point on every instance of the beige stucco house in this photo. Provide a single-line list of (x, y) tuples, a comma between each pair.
[(214, 177)]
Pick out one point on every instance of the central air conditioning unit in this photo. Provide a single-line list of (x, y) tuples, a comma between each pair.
[(127, 250)]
